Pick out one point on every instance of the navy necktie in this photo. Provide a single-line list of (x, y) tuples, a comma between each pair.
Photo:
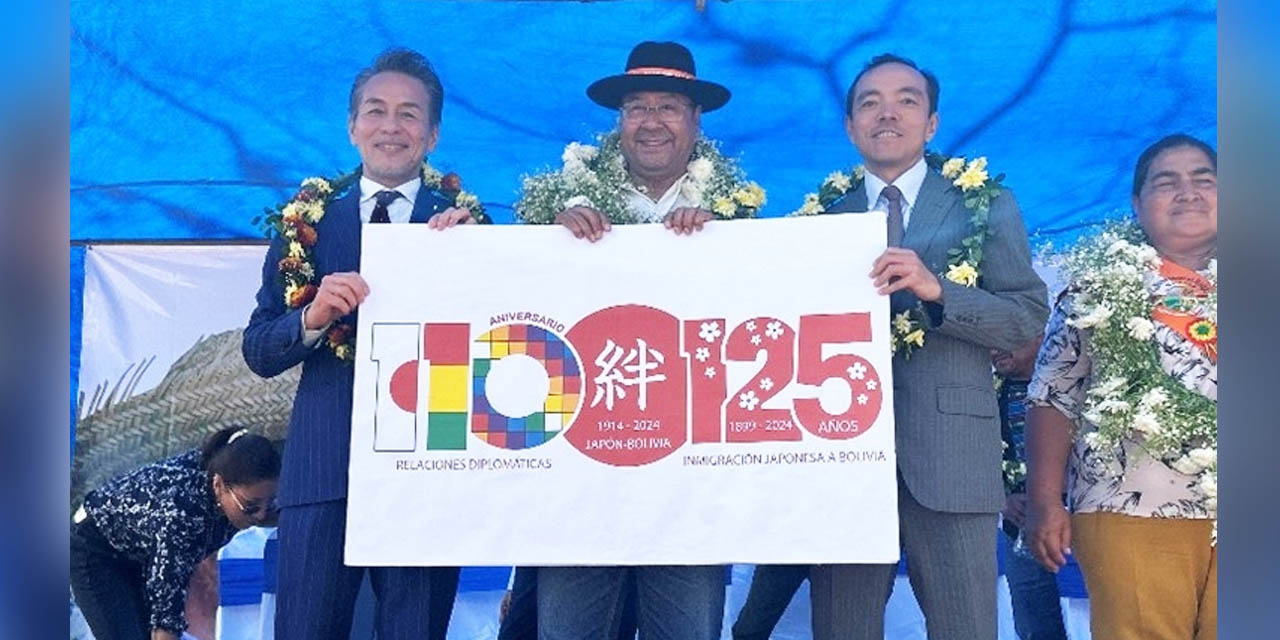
[(893, 196), (384, 198)]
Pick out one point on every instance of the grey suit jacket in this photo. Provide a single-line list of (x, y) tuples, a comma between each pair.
[(947, 419)]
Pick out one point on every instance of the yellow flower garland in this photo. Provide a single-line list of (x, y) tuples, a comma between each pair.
[(977, 189), (294, 221)]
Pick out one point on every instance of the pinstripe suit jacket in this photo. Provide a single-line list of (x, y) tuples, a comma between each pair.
[(318, 445), (945, 410)]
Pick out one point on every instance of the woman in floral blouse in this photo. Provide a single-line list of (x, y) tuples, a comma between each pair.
[(137, 539), (1137, 421)]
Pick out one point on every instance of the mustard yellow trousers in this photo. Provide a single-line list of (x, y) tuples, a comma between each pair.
[(1148, 578)]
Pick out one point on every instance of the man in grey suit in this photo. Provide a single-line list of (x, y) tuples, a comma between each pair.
[(947, 420)]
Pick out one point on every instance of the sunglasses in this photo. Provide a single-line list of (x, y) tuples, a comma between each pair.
[(252, 509)]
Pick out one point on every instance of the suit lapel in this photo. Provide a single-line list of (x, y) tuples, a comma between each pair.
[(930, 210), (345, 248), (344, 252), (426, 205), (854, 200)]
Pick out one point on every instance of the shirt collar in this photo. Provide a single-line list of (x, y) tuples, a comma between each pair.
[(673, 189), (369, 189), (909, 183)]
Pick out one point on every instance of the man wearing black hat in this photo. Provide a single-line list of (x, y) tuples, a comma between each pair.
[(661, 100)]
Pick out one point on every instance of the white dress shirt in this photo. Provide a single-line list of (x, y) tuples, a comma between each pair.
[(399, 211), (646, 209), (908, 183)]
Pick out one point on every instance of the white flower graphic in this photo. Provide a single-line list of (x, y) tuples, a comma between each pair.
[(748, 400), (766, 383), (755, 339), (858, 371), (773, 329), (862, 398), (702, 353), (709, 331), (751, 325), (711, 372), (871, 385)]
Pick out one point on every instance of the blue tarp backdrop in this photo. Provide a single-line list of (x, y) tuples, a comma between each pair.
[(188, 118)]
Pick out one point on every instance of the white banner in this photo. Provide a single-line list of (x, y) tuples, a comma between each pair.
[(524, 397), (156, 301)]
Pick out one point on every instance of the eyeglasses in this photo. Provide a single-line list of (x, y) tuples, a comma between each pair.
[(666, 111), (249, 510)]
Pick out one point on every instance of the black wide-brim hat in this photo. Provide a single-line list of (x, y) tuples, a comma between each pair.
[(658, 66)]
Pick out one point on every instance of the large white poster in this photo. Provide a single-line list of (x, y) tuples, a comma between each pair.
[(145, 302), (524, 397), (160, 363)]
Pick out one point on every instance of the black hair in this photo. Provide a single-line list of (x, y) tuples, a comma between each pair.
[(408, 62), (930, 80), (1170, 141), (240, 460)]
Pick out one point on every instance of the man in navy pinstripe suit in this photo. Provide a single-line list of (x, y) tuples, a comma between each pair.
[(394, 121)]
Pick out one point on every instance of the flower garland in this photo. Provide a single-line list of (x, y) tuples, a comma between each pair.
[(1132, 398), (1015, 475), (596, 177), (295, 222), (963, 262)]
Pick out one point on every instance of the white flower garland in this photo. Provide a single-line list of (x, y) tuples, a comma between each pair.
[(596, 177), (1132, 398)]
